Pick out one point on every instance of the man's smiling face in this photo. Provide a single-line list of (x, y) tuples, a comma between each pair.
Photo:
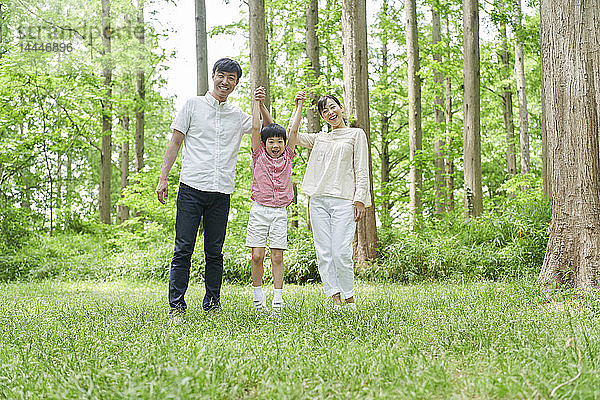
[(224, 83)]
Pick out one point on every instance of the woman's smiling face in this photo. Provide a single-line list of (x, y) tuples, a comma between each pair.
[(332, 114)]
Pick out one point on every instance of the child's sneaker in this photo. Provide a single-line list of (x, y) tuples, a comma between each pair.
[(277, 306), (351, 307), (261, 305)]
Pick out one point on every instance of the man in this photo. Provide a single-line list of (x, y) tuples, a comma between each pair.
[(211, 130)]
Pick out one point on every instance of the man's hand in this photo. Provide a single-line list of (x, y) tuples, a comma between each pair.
[(162, 190), (260, 94), (300, 97), (359, 211)]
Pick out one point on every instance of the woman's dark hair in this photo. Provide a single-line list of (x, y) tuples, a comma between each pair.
[(273, 130), (321, 102), (228, 65)]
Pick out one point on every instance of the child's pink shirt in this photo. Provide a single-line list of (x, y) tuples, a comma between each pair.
[(272, 178)]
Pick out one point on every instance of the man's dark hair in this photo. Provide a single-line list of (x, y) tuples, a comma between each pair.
[(228, 65), (273, 130), (321, 102)]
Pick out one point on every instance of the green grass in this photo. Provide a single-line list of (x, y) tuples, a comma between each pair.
[(428, 341)]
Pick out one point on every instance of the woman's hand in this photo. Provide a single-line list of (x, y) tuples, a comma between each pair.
[(359, 211)]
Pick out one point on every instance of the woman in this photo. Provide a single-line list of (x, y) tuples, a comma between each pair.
[(337, 182)]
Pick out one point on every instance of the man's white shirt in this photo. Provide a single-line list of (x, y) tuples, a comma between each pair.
[(213, 133)]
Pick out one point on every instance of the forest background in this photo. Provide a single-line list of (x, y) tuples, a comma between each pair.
[(84, 122)]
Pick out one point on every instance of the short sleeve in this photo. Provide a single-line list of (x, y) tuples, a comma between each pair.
[(258, 152), (246, 123), (290, 152), (183, 119)]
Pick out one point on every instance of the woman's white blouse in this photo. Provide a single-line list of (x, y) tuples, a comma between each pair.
[(338, 165)]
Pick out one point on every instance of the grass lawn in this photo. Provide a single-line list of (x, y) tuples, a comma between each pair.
[(480, 340)]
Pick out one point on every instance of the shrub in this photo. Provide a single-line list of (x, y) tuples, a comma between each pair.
[(507, 241), (16, 226)]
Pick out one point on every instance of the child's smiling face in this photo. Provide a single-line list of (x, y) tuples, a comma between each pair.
[(275, 146)]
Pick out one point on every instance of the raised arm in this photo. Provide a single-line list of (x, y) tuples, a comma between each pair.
[(260, 94), (292, 131), (257, 104), (265, 114)]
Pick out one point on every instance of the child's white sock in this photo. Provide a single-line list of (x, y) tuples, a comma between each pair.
[(278, 296), (258, 293)]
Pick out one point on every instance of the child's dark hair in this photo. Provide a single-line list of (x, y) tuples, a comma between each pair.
[(273, 130), (228, 65), (321, 102)]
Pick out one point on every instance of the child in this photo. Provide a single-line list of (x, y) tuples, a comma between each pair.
[(272, 192)]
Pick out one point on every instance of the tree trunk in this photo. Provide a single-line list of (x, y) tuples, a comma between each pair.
[(69, 185), (448, 154), (414, 112), (507, 107), (546, 174), (570, 44), (356, 95), (141, 95), (201, 48), (124, 210), (1, 25), (385, 125), (312, 53), (259, 75), (386, 219), (438, 144), (546, 166), (522, 92), (106, 150), (471, 110)]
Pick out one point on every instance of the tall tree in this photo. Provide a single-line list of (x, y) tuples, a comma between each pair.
[(448, 157), (201, 48), (415, 137), (1, 29), (471, 110), (522, 92), (546, 174), (356, 99), (259, 75), (385, 118), (438, 144), (507, 105), (141, 92), (106, 150), (312, 53), (123, 209), (570, 44)]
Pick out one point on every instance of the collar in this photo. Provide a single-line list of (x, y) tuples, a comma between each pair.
[(214, 102)]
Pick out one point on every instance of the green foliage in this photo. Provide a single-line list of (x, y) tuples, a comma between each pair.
[(508, 241), (16, 226), (50, 129)]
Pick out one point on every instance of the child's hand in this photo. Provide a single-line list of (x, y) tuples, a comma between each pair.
[(300, 97), (260, 94)]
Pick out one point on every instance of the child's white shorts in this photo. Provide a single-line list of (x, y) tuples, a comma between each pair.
[(267, 224)]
